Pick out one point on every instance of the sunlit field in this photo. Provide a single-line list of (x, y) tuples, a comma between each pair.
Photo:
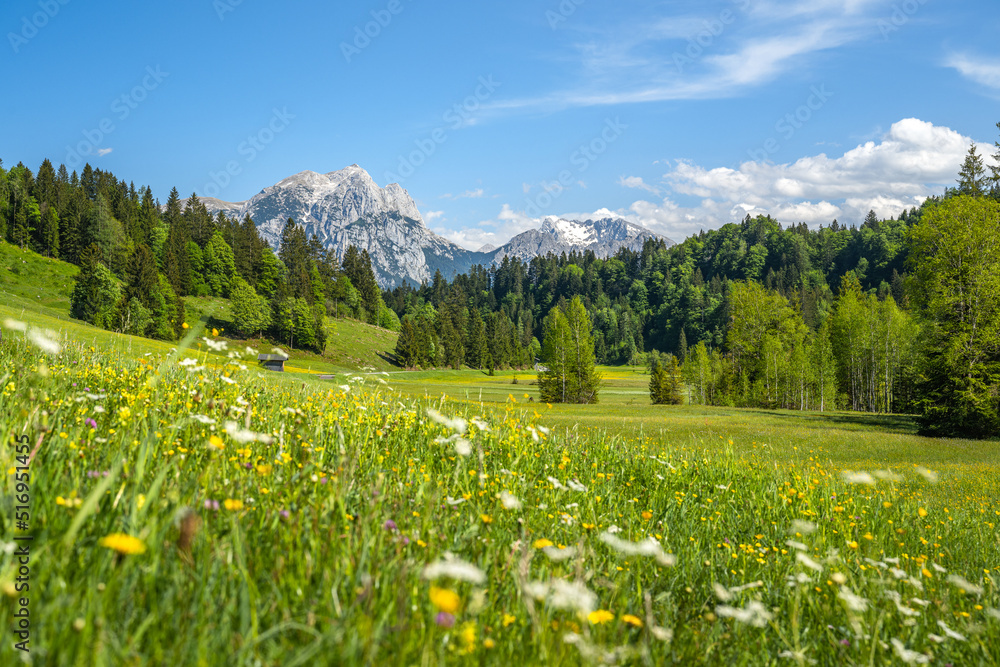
[(190, 509)]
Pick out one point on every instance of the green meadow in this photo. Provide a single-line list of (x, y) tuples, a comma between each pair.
[(187, 508)]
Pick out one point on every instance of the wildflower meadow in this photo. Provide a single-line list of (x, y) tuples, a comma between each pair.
[(189, 509)]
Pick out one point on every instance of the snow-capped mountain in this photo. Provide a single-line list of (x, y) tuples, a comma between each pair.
[(346, 207), (556, 235)]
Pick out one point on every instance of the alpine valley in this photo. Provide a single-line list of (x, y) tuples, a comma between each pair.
[(346, 207)]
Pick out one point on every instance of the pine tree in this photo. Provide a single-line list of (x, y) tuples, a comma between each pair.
[(96, 293), (475, 346), (972, 178), (407, 352), (664, 380)]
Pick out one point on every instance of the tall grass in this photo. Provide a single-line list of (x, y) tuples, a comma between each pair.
[(283, 521)]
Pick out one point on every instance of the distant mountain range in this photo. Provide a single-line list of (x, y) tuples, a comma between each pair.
[(346, 207)]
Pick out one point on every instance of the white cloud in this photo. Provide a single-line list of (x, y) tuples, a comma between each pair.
[(713, 54), (984, 71), (101, 152), (508, 223), (638, 183), (468, 194), (912, 161), (430, 216)]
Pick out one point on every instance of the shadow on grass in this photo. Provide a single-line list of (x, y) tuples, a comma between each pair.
[(904, 424), (389, 359)]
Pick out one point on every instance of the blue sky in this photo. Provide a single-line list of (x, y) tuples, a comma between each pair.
[(681, 115)]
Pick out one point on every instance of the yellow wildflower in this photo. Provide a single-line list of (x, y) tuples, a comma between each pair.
[(445, 600), (123, 544), (634, 621), (600, 616), (542, 543)]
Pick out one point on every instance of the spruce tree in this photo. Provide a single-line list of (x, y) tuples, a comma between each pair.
[(406, 345), (972, 178)]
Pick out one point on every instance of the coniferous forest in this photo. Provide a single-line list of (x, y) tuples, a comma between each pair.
[(139, 260), (892, 315)]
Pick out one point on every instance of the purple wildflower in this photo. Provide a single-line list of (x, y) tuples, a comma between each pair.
[(91, 423), (284, 513), (444, 619), (390, 525)]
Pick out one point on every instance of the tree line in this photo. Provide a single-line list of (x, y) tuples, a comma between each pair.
[(139, 261), (757, 314)]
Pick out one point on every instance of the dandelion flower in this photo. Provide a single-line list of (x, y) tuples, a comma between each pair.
[(921, 512), (542, 543), (216, 442), (600, 616), (445, 600), (123, 544), (634, 621), (232, 505)]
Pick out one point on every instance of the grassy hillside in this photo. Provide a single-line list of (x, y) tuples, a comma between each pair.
[(33, 282), (37, 290)]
